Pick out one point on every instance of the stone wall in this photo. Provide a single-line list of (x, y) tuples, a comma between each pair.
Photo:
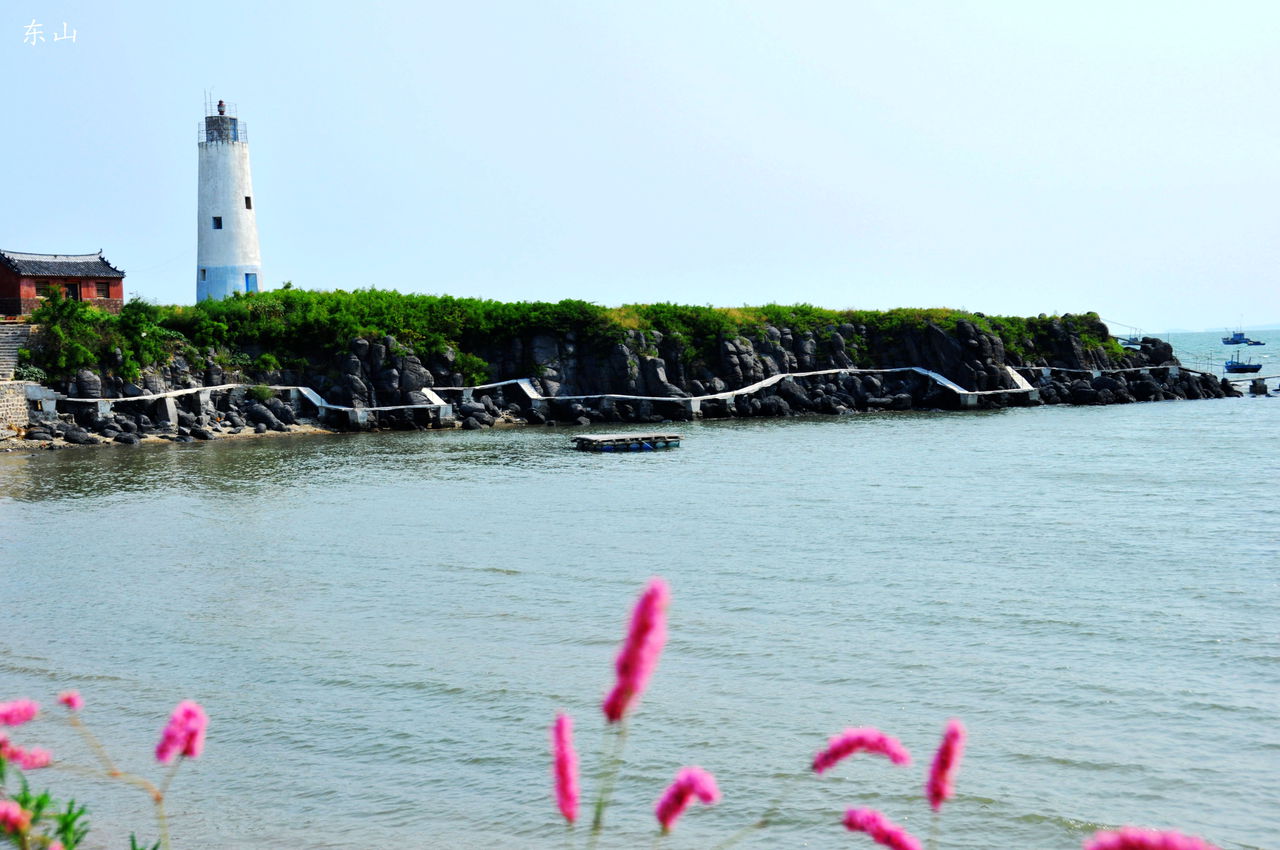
[(13, 404)]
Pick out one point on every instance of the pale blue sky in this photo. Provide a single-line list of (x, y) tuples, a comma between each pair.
[(1017, 157)]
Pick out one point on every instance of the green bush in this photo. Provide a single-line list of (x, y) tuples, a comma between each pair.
[(261, 393), (30, 373), (301, 327), (266, 363), (474, 369)]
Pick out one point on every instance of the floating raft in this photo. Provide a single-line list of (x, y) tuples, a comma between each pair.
[(625, 442)]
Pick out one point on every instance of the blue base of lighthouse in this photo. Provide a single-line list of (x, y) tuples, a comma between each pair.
[(219, 282)]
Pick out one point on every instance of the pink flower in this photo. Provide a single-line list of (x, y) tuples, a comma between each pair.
[(566, 767), (881, 829), (941, 783), (690, 782), (184, 735), (32, 759), (72, 700), (17, 712), (863, 739), (640, 650), (1132, 838), (13, 818)]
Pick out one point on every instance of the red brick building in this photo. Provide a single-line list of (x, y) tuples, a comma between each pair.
[(25, 279)]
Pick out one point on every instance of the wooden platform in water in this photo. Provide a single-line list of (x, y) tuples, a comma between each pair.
[(625, 442)]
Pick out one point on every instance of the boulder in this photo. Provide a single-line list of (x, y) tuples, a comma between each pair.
[(414, 376), (261, 415), (282, 411), (1083, 394), (350, 365), (774, 406), (387, 380), (1106, 382), (202, 433), (128, 439), (88, 385)]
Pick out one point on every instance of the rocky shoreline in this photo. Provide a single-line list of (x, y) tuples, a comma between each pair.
[(648, 377), (232, 416)]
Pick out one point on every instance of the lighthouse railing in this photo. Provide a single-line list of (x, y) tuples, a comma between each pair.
[(241, 134)]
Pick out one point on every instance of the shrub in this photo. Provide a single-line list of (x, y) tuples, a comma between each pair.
[(30, 373), (474, 369), (266, 363)]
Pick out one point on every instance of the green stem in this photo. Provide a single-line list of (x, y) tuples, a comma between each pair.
[(168, 777), (94, 745), (933, 831), (609, 775)]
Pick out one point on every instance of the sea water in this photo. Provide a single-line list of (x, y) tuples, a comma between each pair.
[(382, 627)]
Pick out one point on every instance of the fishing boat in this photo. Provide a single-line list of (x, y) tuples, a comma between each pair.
[(1238, 338), (1236, 367)]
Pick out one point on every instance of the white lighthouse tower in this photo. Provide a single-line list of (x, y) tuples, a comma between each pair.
[(227, 255)]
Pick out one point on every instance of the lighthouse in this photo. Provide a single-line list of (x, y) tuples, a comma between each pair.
[(227, 255)]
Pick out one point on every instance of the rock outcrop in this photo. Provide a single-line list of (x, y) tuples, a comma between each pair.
[(668, 369)]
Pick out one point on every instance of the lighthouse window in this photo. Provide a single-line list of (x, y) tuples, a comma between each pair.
[(217, 222), (202, 274), (248, 202)]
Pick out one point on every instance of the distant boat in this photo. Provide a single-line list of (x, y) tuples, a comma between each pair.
[(1236, 367), (1238, 338)]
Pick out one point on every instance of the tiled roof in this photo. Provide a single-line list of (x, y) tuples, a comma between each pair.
[(59, 265)]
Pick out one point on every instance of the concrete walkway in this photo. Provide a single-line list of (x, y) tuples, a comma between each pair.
[(527, 385), (968, 398)]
